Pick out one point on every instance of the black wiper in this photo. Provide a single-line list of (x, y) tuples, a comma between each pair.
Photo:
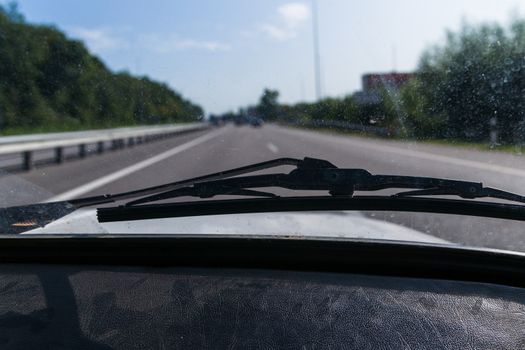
[(320, 175), (17, 219), (310, 175), (109, 198)]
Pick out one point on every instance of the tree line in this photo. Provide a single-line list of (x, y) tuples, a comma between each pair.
[(469, 86), (50, 82)]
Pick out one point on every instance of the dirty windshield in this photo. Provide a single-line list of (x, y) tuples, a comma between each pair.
[(101, 97)]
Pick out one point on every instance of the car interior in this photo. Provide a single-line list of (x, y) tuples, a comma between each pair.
[(258, 292)]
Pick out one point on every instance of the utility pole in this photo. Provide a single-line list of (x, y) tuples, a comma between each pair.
[(317, 58), (493, 122)]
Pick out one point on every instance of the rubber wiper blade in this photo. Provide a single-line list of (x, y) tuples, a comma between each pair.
[(23, 218), (313, 203), (310, 174), (313, 174), (108, 198)]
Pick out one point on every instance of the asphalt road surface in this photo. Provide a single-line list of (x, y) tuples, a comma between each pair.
[(216, 149)]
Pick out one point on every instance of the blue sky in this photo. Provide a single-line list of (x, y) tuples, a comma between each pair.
[(221, 54)]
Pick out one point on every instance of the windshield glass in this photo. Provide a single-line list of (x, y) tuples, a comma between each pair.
[(106, 97)]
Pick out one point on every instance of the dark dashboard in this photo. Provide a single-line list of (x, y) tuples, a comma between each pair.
[(264, 293)]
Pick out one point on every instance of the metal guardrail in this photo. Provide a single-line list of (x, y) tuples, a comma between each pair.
[(26, 145)]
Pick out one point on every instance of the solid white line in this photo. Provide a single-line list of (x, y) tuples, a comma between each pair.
[(405, 152), (273, 148), (90, 186)]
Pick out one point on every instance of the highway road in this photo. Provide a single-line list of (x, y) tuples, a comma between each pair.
[(216, 149)]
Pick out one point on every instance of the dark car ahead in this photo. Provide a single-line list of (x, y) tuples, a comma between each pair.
[(256, 122)]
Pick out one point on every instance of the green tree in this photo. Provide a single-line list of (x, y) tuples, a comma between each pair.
[(478, 75), (12, 12), (419, 120), (268, 107), (48, 81)]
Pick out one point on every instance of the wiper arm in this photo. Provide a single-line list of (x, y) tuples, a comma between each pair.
[(22, 218), (109, 198), (310, 174), (320, 175)]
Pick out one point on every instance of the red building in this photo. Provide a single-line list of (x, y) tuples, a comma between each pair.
[(373, 82)]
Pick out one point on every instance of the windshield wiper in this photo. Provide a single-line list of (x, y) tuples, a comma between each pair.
[(310, 174), (320, 175), (17, 219)]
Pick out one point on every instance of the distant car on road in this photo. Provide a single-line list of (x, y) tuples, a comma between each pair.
[(256, 122), (215, 121), (248, 120)]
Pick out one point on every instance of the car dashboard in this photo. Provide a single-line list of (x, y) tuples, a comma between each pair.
[(188, 292)]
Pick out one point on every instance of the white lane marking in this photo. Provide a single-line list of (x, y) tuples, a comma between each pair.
[(435, 157), (273, 148), (90, 186)]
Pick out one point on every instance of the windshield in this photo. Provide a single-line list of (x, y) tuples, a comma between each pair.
[(106, 97)]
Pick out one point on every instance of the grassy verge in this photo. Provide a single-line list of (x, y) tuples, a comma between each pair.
[(480, 146), (60, 128)]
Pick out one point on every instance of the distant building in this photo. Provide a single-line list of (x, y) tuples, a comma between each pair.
[(373, 83)]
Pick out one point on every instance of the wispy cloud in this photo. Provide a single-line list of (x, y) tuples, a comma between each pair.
[(170, 43), (104, 39), (290, 17), (279, 33), (99, 39)]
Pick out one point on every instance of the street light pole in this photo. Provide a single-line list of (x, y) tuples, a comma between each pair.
[(317, 59)]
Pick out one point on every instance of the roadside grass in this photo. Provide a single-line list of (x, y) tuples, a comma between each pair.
[(480, 146), (42, 129)]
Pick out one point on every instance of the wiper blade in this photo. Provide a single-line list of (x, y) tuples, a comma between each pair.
[(310, 174), (109, 198), (320, 175), (22, 218), (313, 203)]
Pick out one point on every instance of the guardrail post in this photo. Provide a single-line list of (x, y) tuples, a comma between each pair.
[(59, 155), (100, 147), (82, 150), (131, 142), (114, 144), (27, 160)]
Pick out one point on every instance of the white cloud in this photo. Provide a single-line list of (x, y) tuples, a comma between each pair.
[(290, 17), (278, 33), (99, 39), (184, 44), (165, 44), (294, 13), (104, 39)]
